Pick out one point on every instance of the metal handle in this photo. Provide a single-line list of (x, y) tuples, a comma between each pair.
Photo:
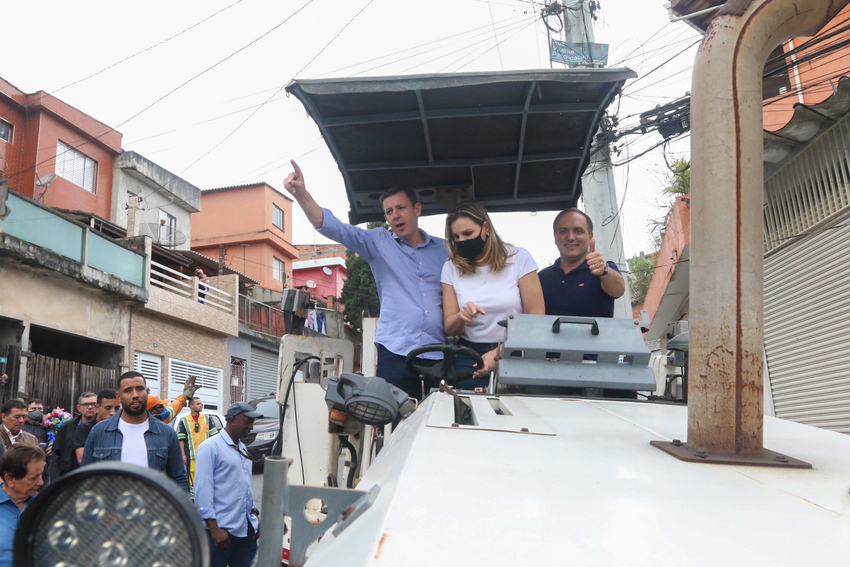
[(594, 326)]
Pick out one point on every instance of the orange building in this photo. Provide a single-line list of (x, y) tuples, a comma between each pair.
[(248, 228), (41, 135)]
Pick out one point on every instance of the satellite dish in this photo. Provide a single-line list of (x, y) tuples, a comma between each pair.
[(162, 234), (46, 180), (311, 284), (327, 270)]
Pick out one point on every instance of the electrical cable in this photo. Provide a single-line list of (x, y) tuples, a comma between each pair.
[(90, 139), (193, 26), (256, 110), (352, 467)]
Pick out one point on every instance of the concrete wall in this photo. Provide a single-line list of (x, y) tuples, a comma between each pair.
[(170, 338), (676, 237), (217, 224), (159, 189), (54, 301)]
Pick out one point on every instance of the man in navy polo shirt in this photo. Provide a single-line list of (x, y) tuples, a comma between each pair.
[(580, 283), (406, 264)]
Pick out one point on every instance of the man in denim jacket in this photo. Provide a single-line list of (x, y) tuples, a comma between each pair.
[(134, 436)]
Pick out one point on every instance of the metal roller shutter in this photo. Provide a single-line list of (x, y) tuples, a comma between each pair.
[(807, 326), (209, 378), (262, 373), (150, 366)]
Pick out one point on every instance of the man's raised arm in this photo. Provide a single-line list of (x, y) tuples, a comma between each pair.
[(294, 183)]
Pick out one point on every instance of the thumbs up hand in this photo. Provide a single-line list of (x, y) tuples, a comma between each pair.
[(595, 261)]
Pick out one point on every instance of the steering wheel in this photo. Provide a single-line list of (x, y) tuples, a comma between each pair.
[(444, 369)]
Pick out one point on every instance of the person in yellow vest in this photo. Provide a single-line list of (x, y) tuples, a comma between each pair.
[(193, 430)]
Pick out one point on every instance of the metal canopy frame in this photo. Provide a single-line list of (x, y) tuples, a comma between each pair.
[(517, 140)]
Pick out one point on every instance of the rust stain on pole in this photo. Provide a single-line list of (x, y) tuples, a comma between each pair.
[(726, 413)]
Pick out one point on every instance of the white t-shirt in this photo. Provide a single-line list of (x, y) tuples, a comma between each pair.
[(133, 449), (498, 294)]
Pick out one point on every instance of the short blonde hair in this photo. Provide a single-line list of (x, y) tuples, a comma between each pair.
[(495, 251)]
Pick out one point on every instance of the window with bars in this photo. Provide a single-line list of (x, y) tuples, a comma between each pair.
[(277, 216), (76, 167), (278, 268)]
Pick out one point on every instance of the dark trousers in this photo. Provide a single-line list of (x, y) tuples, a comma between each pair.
[(239, 553), (391, 367)]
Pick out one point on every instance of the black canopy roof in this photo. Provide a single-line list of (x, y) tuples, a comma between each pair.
[(514, 140)]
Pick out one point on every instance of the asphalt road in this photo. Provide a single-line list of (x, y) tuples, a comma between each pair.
[(258, 490)]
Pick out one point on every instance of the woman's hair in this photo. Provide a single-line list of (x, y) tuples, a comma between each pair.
[(495, 251)]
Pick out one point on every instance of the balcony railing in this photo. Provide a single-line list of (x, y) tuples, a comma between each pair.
[(175, 282), (34, 223), (261, 317)]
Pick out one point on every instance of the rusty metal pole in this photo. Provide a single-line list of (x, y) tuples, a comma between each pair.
[(725, 413)]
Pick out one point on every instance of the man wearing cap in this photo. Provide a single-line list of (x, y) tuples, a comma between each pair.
[(224, 491)]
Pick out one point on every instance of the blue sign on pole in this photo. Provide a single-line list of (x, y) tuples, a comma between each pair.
[(585, 54)]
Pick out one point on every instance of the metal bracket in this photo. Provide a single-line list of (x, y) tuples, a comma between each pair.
[(692, 455), (340, 507)]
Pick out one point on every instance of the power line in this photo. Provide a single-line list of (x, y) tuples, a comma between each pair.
[(193, 26)]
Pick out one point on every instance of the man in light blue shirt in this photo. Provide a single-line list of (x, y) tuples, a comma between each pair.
[(21, 468), (224, 491), (406, 264)]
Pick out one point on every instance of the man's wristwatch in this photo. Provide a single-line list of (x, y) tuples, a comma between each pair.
[(606, 270)]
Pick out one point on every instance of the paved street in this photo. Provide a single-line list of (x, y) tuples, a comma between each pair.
[(258, 490)]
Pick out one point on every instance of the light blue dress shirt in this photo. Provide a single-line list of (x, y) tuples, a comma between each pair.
[(408, 282), (9, 514), (223, 487)]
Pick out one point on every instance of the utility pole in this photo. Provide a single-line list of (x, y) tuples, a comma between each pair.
[(600, 194)]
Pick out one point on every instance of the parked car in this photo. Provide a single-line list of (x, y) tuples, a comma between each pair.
[(261, 440)]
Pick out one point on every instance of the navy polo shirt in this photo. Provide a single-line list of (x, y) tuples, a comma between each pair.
[(576, 294)]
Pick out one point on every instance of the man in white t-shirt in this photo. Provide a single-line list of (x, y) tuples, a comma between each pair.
[(134, 436)]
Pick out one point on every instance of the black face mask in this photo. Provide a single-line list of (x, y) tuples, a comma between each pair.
[(36, 415), (470, 249)]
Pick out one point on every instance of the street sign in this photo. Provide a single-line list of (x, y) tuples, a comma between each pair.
[(579, 54)]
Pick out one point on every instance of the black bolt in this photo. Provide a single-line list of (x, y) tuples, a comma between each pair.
[(455, 425), (701, 454), (781, 458), (677, 442), (524, 430)]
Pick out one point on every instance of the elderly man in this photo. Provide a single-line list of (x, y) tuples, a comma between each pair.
[(406, 264), (224, 491), (580, 283), (21, 468), (13, 413), (64, 458), (134, 436)]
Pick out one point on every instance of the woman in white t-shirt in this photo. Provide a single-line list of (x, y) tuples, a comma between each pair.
[(484, 281)]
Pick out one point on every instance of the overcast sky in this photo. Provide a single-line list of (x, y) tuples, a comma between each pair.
[(196, 86)]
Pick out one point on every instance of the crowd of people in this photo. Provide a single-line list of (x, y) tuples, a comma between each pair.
[(428, 287), (127, 424)]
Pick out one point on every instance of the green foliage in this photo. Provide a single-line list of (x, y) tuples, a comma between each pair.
[(641, 269), (359, 292)]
